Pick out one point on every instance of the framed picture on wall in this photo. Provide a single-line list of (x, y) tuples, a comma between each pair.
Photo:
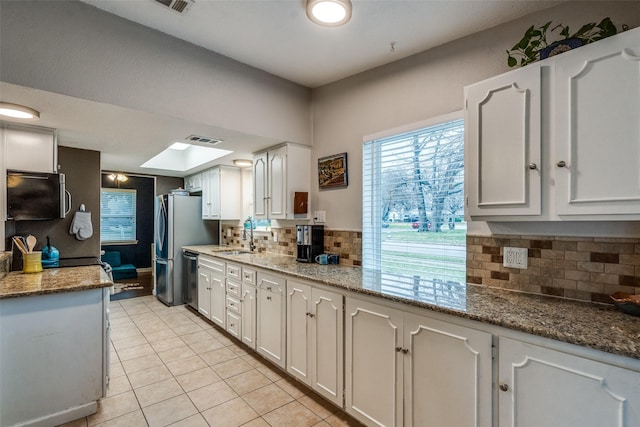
[(332, 171)]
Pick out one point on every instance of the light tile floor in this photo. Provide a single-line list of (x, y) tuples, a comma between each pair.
[(169, 366)]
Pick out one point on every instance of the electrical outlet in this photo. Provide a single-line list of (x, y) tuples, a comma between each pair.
[(515, 257), (229, 232), (321, 216), (275, 237)]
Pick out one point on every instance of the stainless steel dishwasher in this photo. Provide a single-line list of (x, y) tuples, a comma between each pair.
[(190, 278)]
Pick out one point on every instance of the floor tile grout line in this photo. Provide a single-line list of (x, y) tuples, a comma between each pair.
[(332, 411)]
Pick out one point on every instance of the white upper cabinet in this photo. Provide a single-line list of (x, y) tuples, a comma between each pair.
[(222, 193), (193, 183), (30, 148), (502, 132), (597, 98), (278, 174), (558, 139)]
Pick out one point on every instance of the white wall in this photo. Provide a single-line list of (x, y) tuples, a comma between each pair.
[(426, 85), (75, 49)]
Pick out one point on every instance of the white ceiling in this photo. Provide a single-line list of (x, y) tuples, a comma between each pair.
[(272, 35), (276, 36)]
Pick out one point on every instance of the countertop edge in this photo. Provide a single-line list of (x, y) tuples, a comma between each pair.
[(102, 281)]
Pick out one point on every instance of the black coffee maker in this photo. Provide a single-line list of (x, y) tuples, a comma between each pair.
[(310, 241)]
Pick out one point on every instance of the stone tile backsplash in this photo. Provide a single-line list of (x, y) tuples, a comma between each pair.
[(583, 268), (348, 244)]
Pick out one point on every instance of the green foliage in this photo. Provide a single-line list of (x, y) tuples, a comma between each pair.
[(528, 49)]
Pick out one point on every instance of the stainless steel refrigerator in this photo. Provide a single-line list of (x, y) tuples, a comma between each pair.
[(178, 222)]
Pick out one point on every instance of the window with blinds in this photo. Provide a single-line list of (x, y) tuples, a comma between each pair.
[(414, 232), (117, 215)]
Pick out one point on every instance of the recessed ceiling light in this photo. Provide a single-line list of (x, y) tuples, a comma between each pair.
[(179, 146), (330, 13), (18, 111)]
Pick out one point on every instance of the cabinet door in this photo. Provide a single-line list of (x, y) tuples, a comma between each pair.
[(260, 185), (373, 366), (218, 299), (206, 196), (502, 144), (298, 311), (30, 148), (234, 324), (596, 128), (271, 320), (248, 315), (204, 291), (543, 387), (214, 194), (446, 364), (278, 183), (326, 349)]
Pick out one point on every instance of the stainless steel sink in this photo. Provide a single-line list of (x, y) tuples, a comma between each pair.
[(232, 253)]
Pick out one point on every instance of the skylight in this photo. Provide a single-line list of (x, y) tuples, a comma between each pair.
[(180, 158)]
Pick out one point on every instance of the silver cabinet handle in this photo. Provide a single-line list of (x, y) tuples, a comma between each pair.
[(268, 298), (504, 387), (398, 349), (562, 164), (533, 166)]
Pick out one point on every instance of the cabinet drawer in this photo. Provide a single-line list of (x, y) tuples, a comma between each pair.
[(248, 276), (233, 288), (233, 323), (234, 271), (211, 263), (233, 304)]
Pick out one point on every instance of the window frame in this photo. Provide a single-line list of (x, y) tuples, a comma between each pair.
[(135, 220), (372, 230)]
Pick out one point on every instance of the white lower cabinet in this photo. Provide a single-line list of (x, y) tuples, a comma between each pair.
[(544, 387), (270, 322), (315, 338), (211, 289), (248, 315), (405, 369)]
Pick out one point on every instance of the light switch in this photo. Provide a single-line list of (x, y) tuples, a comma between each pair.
[(515, 257)]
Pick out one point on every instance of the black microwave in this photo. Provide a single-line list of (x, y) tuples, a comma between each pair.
[(36, 196)]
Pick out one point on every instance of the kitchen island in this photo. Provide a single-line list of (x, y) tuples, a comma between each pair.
[(54, 345)]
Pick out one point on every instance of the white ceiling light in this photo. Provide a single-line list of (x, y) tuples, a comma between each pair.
[(330, 13), (18, 111)]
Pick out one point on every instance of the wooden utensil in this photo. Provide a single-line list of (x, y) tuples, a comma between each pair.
[(31, 242), (19, 244)]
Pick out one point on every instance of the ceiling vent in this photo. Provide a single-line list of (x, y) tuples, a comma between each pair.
[(179, 6), (203, 139)]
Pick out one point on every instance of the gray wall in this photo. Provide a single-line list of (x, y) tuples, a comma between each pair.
[(82, 170), (423, 86), (87, 53)]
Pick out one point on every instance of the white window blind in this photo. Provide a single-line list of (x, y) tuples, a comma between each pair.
[(414, 232), (117, 215)]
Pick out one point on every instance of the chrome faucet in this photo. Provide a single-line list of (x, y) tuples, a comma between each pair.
[(244, 232)]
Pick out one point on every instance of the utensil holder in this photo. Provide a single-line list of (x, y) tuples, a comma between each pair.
[(32, 262)]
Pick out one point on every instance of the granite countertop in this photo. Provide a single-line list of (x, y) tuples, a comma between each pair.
[(597, 326), (53, 280)]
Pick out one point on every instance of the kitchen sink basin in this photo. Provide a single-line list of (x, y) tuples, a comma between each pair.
[(232, 252)]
